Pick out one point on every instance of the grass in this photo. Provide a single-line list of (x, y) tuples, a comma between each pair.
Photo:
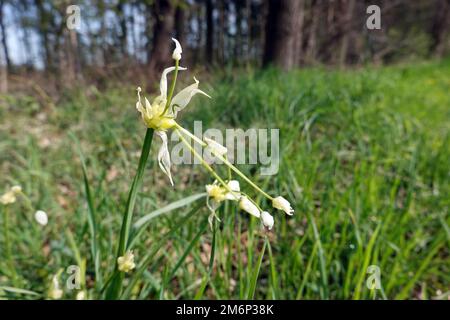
[(364, 158)]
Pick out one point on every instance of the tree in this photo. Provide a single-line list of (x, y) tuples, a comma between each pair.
[(439, 28), (3, 35), (209, 47), (281, 32), (163, 14)]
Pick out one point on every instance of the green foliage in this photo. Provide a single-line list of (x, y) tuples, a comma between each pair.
[(364, 158)]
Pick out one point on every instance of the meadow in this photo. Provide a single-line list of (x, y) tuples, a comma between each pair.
[(364, 160)]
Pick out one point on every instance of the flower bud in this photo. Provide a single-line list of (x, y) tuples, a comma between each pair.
[(281, 203), (267, 220)]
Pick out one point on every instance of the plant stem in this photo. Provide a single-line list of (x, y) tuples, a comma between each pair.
[(172, 88), (225, 161), (204, 163), (9, 257), (115, 287), (243, 176)]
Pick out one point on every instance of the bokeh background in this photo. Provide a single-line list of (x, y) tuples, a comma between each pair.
[(364, 125)]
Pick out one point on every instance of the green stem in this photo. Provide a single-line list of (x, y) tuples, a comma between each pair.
[(225, 161), (172, 88), (204, 163), (115, 287), (243, 176), (9, 257)]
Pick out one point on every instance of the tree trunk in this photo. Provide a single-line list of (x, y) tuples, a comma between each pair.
[(281, 33), (3, 34), (209, 47), (123, 27), (346, 30), (180, 23), (311, 45), (439, 28), (163, 13)]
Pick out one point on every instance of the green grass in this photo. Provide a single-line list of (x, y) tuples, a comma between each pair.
[(364, 158)]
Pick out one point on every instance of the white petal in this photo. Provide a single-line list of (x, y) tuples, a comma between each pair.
[(248, 206), (182, 98), (177, 51), (41, 217), (234, 186), (16, 189), (215, 147), (281, 203), (163, 83), (139, 105), (267, 220), (164, 156)]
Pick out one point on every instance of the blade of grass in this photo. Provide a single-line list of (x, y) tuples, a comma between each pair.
[(93, 228), (254, 280), (183, 257), (273, 271), (323, 270), (207, 277), (160, 244), (115, 287), (367, 257)]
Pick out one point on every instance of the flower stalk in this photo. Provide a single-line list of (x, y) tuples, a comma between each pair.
[(115, 286)]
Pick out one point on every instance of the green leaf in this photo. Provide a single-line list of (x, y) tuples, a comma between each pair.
[(255, 274)]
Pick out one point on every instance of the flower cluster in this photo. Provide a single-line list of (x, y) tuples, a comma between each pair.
[(126, 262), (161, 116)]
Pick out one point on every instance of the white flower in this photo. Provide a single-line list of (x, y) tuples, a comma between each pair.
[(156, 116), (248, 206), (55, 291), (281, 203), (81, 295), (164, 155), (215, 147), (126, 262), (41, 217), (267, 220), (218, 193), (8, 198), (234, 186), (177, 51), (182, 98), (16, 189)]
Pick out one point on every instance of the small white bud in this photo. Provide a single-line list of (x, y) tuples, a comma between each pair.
[(281, 203), (16, 189), (41, 217), (267, 220), (248, 206), (177, 51)]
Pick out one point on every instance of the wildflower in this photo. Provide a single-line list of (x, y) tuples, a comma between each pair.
[(41, 217), (248, 206), (55, 291), (218, 193), (126, 262), (161, 114), (81, 295), (267, 220), (177, 51), (9, 197), (281, 203), (16, 189)]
